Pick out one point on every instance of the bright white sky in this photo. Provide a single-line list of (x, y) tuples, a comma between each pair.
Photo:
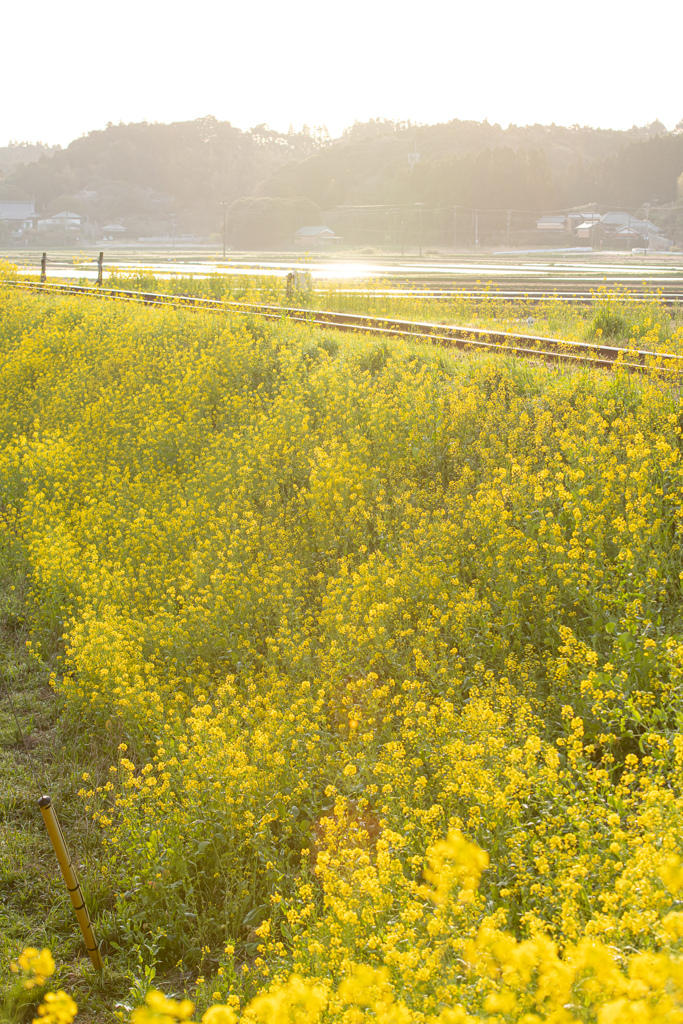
[(69, 68)]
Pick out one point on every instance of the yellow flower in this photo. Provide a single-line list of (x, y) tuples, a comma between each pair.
[(161, 1010), (56, 1008), (38, 966), (219, 1015), (671, 873)]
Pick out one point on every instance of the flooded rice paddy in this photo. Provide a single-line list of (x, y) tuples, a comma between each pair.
[(508, 272)]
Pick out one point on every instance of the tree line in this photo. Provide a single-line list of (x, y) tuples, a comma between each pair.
[(182, 177)]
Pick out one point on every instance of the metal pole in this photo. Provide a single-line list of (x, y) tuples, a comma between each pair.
[(57, 839)]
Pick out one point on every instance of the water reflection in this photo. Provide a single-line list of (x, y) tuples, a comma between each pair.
[(444, 272)]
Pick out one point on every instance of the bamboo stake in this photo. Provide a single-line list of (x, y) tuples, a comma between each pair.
[(56, 835)]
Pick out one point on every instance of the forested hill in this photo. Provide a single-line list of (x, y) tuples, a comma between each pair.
[(22, 153), (535, 167), (142, 174), (156, 178)]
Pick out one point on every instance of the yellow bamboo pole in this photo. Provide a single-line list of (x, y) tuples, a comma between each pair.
[(56, 835)]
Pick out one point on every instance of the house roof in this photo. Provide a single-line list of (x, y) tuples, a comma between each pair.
[(552, 218), (17, 209), (311, 231), (639, 226), (615, 218), (66, 215)]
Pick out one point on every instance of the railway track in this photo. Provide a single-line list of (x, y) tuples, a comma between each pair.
[(532, 294), (527, 346)]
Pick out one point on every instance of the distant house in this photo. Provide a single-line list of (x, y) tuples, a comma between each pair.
[(589, 228), (64, 219), (572, 223), (615, 220), (629, 234), (622, 231), (552, 222), (642, 234), (633, 232), (316, 237), (19, 214), (614, 229)]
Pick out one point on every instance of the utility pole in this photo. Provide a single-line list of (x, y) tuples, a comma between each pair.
[(419, 206), (508, 231), (455, 227), (647, 227), (476, 229)]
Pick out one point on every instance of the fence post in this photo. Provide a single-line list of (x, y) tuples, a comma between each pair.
[(100, 261), (43, 268), (57, 839)]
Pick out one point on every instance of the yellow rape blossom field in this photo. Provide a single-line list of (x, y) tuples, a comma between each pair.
[(370, 661)]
